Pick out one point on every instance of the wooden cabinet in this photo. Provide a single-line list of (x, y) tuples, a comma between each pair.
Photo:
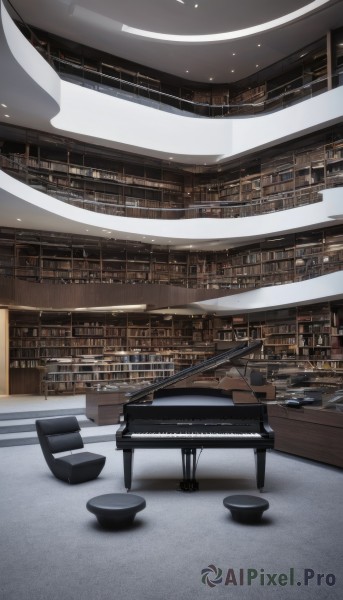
[(105, 407), (311, 432)]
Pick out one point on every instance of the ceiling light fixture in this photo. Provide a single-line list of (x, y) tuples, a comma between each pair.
[(181, 1), (4, 105), (228, 35)]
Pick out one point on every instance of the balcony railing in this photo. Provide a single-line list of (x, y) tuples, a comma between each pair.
[(275, 99), (180, 207)]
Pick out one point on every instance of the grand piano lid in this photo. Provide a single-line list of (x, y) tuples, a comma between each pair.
[(231, 355)]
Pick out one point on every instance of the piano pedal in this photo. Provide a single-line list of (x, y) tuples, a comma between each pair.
[(189, 485)]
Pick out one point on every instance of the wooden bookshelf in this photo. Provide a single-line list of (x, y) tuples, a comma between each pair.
[(314, 332), (81, 350), (106, 184), (71, 375)]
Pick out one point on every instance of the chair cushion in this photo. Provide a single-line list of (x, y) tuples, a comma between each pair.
[(80, 458), (64, 441)]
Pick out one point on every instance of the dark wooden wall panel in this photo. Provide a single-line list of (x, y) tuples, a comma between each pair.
[(47, 296)]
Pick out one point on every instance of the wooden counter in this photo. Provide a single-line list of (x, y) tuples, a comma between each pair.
[(311, 432), (104, 407)]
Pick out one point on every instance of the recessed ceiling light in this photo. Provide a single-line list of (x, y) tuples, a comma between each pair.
[(181, 1), (211, 78), (187, 71), (259, 45), (196, 5), (170, 158), (257, 66), (4, 105), (7, 116), (18, 219), (232, 70), (233, 53)]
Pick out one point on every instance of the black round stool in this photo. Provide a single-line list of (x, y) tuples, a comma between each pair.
[(246, 509), (115, 510)]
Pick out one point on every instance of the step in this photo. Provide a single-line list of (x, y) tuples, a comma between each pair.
[(22, 431), (20, 425), (40, 414)]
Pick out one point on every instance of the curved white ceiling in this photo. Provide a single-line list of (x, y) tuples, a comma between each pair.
[(36, 91), (227, 35), (99, 24)]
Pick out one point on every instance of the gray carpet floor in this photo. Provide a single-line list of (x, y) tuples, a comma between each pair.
[(52, 548)]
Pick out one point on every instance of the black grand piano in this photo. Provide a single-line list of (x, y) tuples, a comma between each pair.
[(192, 419)]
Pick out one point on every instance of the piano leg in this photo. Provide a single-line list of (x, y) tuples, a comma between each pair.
[(128, 459), (260, 461), (189, 484)]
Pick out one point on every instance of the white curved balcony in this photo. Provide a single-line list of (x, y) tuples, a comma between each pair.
[(36, 97), (26, 207), (320, 289)]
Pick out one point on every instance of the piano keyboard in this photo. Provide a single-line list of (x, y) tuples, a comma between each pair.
[(195, 435)]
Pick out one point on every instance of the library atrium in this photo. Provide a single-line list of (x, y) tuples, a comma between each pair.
[(171, 181)]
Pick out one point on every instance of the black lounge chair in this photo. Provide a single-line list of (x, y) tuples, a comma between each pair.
[(60, 435)]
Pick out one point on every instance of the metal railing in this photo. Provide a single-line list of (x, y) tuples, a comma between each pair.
[(274, 99), (129, 206)]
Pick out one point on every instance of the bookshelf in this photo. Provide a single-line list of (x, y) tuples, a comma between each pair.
[(57, 259), (314, 332), (97, 372), (107, 184), (76, 351)]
